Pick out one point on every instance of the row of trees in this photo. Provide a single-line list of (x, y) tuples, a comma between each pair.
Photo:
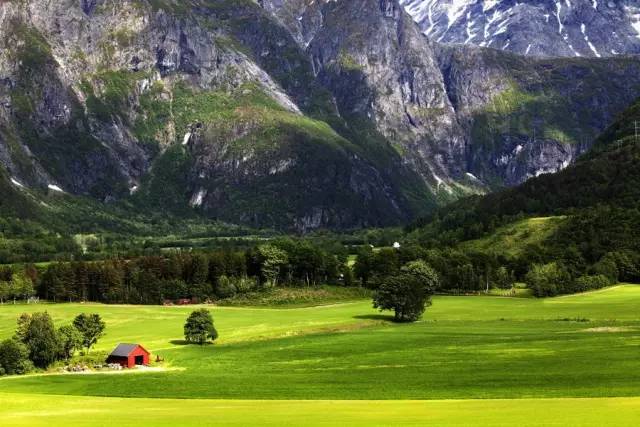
[(194, 275), (37, 343)]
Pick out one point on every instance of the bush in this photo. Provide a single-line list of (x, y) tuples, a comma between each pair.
[(587, 283), (70, 340)]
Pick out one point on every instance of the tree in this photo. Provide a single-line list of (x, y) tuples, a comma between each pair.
[(41, 339), (70, 340), (91, 327), (547, 280), (408, 293), (199, 327), (272, 259), (14, 358), (503, 278), (5, 291), (21, 287)]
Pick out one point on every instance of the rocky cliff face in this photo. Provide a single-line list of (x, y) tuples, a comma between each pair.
[(573, 28), (465, 118), (295, 114)]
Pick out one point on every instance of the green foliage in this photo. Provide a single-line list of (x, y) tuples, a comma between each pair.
[(272, 260), (114, 89), (199, 327), (14, 358), (547, 280), (297, 297), (71, 340), (91, 328), (41, 339), (409, 293)]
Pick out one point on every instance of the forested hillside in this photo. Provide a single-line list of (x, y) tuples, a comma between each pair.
[(599, 198)]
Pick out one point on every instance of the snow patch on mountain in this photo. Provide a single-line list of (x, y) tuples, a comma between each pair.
[(533, 27)]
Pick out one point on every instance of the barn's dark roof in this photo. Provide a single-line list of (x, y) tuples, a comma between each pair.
[(123, 350)]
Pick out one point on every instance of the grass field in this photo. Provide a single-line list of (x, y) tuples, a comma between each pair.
[(581, 346)]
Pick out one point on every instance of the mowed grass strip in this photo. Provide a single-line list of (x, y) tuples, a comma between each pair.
[(50, 411), (466, 347)]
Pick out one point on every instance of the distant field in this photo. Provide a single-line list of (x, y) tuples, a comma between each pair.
[(466, 348)]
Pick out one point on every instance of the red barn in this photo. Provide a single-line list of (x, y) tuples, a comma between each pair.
[(129, 355)]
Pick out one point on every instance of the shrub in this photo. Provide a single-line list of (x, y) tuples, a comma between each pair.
[(70, 340), (587, 283)]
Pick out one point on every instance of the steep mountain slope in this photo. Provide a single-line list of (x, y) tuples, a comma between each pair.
[(295, 114), (159, 100), (465, 118), (606, 178), (589, 28)]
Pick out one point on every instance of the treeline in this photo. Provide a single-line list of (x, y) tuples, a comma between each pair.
[(198, 276)]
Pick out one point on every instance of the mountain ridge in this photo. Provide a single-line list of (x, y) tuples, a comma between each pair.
[(232, 111), (545, 28)]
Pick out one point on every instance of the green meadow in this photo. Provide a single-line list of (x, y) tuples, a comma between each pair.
[(481, 360)]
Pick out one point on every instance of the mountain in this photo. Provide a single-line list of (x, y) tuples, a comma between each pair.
[(608, 177), (591, 28), (292, 114), (573, 231)]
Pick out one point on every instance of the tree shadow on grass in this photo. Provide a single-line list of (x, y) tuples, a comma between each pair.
[(184, 342), (385, 317)]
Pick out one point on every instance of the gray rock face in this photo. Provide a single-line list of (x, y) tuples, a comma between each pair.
[(465, 118), (591, 28)]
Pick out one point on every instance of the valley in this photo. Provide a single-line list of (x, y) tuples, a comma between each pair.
[(319, 212)]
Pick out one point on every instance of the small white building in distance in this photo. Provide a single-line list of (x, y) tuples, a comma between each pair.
[(396, 245)]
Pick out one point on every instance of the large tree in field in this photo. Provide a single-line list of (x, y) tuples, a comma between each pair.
[(199, 327), (409, 293), (91, 327)]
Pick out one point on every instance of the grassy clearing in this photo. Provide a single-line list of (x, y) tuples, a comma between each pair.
[(29, 410), (511, 240), (467, 347)]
